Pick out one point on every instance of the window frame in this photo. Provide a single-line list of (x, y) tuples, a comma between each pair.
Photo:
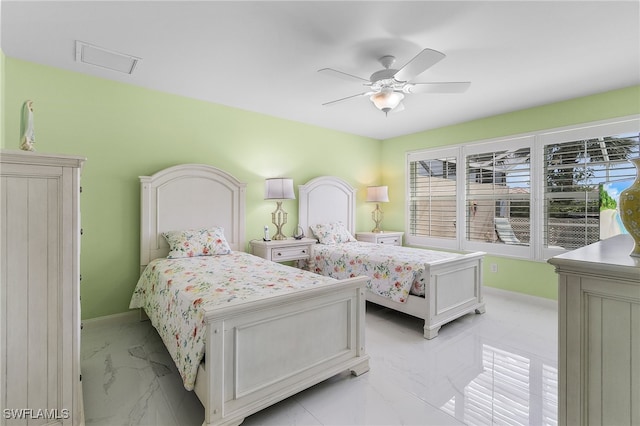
[(536, 141), (570, 134), (501, 144), (426, 241)]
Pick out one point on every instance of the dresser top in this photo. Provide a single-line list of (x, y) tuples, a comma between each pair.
[(44, 159), (607, 257)]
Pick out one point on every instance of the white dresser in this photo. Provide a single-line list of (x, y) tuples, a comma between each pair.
[(599, 334), (40, 289)]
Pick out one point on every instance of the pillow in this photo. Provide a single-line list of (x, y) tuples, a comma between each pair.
[(332, 233), (196, 242)]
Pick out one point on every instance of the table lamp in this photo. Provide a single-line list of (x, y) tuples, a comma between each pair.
[(279, 189), (377, 194)]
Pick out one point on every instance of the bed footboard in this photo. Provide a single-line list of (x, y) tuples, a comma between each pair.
[(454, 290), (264, 351)]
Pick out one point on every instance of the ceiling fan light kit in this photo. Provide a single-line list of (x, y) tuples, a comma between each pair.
[(388, 86), (386, 100)]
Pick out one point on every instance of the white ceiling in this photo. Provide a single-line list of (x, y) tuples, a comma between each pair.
[(263, 56)]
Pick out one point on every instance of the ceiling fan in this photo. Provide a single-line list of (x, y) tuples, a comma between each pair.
[(388, 86)]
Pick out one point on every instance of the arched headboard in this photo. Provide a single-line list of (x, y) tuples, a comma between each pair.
[(327, 199), (189, 196)]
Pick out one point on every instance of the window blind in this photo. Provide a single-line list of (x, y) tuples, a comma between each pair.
[(574, 172), (530, 196), (432, 200), (498, 186)]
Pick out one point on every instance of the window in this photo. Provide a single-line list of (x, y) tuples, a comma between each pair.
[(573, 173), (432, 200), (530, 196), (498, 191)]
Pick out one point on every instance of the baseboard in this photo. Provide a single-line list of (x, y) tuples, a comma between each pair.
[(115, 319), (520, 296)]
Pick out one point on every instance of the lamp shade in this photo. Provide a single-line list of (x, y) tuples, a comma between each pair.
[(377, 194), (279, 189)]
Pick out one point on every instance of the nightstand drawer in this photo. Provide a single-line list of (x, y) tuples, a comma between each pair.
[(390, 240), (284, 250), (289, 253)]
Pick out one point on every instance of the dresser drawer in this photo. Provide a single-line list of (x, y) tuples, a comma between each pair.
[(289, 253), (390, 240)]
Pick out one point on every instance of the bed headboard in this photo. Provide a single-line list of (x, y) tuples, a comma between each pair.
[(327, 199), (189, 196)]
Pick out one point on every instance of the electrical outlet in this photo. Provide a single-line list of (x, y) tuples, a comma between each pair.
[(494, 267)]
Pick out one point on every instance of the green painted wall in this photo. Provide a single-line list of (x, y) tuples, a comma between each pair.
[(127, 131), (535, 278)]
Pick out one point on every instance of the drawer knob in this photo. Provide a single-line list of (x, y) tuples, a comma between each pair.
[(304, 252), (279, 254)]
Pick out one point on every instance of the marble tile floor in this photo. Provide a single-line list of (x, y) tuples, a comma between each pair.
[(498, 368)]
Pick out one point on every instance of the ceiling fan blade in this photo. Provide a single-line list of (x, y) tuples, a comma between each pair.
[(346, 99), (423, 60), (342, 75), (447, 87)]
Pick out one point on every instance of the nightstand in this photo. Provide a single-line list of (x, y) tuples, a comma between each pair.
[(385, 237), (284, 250)]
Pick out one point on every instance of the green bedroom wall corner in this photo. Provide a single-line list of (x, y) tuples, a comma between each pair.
[(127, 131)]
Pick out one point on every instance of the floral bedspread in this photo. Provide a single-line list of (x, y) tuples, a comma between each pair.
[(394, 271), (173, 293)]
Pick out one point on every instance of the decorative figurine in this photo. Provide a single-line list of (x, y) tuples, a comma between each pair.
[(26, 126)]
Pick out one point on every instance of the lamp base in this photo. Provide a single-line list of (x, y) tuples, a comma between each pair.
[(279, 219), (377, 216)]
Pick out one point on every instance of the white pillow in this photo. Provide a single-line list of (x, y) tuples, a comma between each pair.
[(196, 242), (332, 233)]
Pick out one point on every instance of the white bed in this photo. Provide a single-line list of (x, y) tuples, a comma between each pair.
[(245, 367), (453, 287)]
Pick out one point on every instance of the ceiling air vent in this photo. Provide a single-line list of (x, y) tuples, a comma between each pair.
[(101, 57)]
